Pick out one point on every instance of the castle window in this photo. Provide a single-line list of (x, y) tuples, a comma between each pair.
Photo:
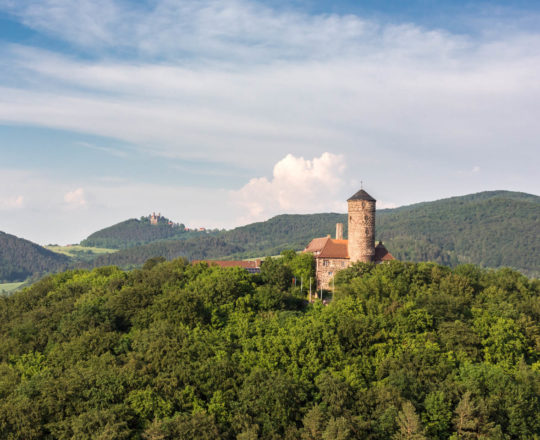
[(325, 263), (330, 273)]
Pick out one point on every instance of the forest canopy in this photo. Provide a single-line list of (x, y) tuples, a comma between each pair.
[(180, 351)]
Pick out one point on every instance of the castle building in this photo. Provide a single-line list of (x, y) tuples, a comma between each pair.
[(332, 255), (154, 219)]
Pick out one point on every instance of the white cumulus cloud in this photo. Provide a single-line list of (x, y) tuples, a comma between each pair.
[(297, 185), (75, 198)]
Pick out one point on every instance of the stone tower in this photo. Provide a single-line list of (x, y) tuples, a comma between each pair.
[(361, 227)]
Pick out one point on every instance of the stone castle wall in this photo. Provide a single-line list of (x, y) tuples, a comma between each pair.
[(361, 230), (326, 268)]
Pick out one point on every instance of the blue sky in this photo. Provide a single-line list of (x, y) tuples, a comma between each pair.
[(220, 113)]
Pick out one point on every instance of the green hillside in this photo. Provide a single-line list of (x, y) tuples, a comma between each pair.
[(492, 229), (179, 352), (20, 259), (206, 247), (135, 232)]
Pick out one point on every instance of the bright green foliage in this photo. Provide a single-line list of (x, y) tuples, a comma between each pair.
[(409, 424), (276, 272), (180, 351)]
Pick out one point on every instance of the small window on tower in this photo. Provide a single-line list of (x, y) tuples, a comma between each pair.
[(325, 262)]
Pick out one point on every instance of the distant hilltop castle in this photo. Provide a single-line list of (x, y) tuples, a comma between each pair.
[(333, 255), (154, 219), (157, 219)]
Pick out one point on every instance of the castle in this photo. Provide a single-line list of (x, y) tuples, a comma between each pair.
[(333, 255), (154, 219)]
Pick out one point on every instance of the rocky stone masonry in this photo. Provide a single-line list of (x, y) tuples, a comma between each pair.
[(326, 268), (361, 230)]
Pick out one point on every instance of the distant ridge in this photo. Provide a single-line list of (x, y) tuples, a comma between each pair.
[(20, 259), (134, 232), (491, 228)]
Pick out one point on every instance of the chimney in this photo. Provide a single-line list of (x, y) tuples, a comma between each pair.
[(339, 231)]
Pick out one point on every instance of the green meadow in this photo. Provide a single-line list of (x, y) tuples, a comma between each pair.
[(80, 253), (6, 288)]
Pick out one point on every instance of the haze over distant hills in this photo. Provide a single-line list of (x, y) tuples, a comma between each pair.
[(492, 229)]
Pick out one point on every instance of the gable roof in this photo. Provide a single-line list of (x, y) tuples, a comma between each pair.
[(361, 195), (335, 249), (382, 254), (326, 247), (316, 245)]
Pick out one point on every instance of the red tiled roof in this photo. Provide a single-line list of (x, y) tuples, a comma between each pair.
[(335, 249), (326, 247), (316, 245), (230, 263), (382, 254)]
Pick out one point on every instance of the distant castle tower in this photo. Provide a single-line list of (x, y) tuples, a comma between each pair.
[(361, 227), (154, 219)]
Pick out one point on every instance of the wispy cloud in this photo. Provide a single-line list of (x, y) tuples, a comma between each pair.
[(219, 79), (75, 199), (238, 82), (112, 151), (11, 203)]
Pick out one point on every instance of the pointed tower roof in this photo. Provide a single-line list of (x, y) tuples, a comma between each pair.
[(362, 195)]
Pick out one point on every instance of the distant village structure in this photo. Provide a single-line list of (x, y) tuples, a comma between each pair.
[(332, 255)]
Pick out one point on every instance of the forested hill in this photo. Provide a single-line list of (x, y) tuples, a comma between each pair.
[(181, 352), (20, 259), (135, 232), (492, 229)]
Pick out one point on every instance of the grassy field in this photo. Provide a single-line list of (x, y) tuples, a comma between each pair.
[(80, 253), (7, 288)]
